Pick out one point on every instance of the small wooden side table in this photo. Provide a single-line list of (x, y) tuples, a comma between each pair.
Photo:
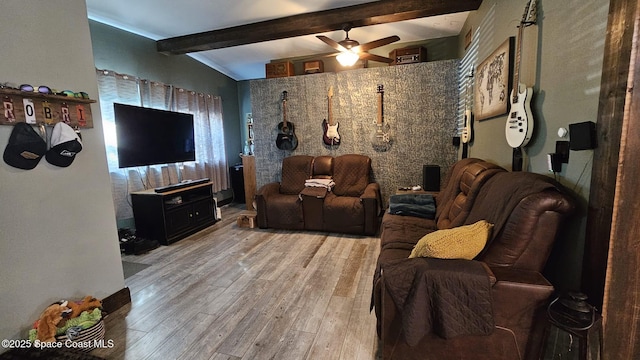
[(247, 219)]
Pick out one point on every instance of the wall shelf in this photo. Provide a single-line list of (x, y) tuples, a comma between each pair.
[(36, 108)]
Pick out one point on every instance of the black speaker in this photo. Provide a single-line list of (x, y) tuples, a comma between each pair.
[(431, 177), (582, 136)]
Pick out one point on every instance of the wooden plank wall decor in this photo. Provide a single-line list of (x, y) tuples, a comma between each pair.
[(613, 92), (36, 109), (420, 104), (622, 286)]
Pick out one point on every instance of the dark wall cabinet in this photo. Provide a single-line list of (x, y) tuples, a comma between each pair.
[(170, 216)]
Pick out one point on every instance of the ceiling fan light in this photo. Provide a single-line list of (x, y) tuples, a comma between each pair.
[(347, 58)]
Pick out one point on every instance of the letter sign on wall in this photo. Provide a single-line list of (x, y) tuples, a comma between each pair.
[(29, 111)]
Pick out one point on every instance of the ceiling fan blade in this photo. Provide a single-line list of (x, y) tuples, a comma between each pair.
[(373, 57), (379, 42), (334, 44)]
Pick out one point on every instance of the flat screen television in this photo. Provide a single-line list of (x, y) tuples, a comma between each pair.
[(150, 136)]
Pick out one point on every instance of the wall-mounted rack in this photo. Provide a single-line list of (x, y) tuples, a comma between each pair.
[(36, 108)]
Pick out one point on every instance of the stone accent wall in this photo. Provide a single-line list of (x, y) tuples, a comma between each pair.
[(420, 104)]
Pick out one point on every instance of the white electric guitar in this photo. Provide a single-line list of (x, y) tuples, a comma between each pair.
[(519, 127), (467, 131)]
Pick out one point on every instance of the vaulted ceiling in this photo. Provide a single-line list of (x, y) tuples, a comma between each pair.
[(238, 37)]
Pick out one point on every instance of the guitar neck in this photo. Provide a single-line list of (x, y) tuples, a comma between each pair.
[(516, 71), (379, 122), (284, 113), (528, 18), (330, 111)]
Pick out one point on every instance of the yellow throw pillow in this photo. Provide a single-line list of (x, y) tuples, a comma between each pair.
[(463, 242)]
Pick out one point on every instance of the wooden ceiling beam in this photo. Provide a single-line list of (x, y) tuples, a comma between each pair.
[(373, 13)]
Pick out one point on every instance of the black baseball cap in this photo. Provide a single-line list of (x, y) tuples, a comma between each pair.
[(25, 147)]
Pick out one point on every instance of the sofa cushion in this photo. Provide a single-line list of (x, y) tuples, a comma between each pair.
[(403, 232), (470, 180), (463, 242), (322, 167), (526, 209), (451, 186), (285, 212), (351, 174), (295, 170), (343, 214)]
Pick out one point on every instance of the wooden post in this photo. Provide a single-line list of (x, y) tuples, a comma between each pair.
[(622, 286), (249, 171)]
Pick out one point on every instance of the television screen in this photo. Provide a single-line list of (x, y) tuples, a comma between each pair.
[(150, 136)]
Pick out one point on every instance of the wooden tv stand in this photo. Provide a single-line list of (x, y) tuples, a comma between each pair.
[(173, 215)]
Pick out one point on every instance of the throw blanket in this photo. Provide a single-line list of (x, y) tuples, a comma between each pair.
[(323, 183), (418, 205), (447, 297), (502, 193)]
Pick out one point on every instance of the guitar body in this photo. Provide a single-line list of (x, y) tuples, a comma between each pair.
[(519, 127), (330, 134), (466, 130), (381, 139), (286, 139)]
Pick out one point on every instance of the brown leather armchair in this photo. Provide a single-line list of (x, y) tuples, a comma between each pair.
[(527, 210), (353, 205)]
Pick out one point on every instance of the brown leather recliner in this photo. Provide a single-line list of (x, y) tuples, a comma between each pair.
[(462, 183), (527, 210), (352, 206)]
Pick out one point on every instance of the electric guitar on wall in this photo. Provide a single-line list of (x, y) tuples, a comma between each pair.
[(381, 139), (286, 139), (330, 135), (519, 127), (467, 130)]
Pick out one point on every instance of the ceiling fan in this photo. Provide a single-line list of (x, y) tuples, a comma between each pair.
[(349, 50)]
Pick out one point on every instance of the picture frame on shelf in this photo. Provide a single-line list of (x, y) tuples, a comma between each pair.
[(493, 82)]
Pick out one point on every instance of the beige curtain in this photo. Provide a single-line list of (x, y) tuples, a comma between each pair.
[(209, 136)]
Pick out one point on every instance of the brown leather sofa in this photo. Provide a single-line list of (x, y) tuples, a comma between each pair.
[(526, 209), (352, 206)]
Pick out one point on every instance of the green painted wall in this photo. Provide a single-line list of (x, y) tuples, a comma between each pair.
[(127, 53), (562, 61), (58, 235)]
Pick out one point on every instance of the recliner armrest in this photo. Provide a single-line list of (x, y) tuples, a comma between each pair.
[(269, 189), (518, 276), (371, 199), (519, 299), (262, 195), (372, 191)]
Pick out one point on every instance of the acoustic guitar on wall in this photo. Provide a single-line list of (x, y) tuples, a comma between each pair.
[(286, 139), (381, 139), (330, 134)]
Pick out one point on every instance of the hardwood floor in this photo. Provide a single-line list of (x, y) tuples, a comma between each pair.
[(235, 293)]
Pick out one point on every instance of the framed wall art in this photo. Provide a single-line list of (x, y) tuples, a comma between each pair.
[(493, 82)]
